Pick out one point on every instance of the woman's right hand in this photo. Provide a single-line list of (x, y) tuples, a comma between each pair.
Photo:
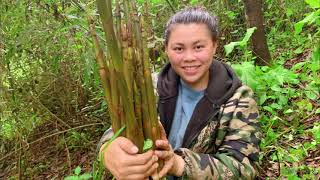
[(121, 158)]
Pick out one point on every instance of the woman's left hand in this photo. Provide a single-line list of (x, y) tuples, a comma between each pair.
[(173, 163)]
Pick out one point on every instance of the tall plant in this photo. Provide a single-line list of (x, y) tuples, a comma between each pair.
[(125, 71)]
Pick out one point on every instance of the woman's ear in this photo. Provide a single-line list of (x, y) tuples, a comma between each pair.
[(215, 46), (166, 49)]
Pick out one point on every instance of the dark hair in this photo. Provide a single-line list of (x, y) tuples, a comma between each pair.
[(193, 15)]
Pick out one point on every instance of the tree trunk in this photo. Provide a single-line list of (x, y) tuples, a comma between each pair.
[(254, 18)]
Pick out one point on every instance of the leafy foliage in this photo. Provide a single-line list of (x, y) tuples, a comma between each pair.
[(229, 47), (78, 176)]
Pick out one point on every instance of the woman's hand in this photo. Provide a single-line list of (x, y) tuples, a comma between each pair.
[(173, 163), (121, 158)]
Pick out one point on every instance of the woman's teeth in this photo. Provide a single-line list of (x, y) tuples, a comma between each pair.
[(191, 67)]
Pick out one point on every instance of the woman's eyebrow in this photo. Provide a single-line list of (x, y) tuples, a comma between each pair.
[(193, 43), (198, 41), (178, 44)]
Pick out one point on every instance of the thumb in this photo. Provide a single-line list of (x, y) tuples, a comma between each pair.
[(155, 175), (163, 134), (127, 146)]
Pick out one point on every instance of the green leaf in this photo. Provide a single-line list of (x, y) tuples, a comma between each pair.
[(193, 2), (263, 98), (147, 145), (298, 27), (311, 95), (276, 106), (229, 47), (247, 74), (289, 12), (246, 38), (313, 3), (231, 15), (77, 171), (276, 88), (71, 178), (298, 66), (318, 111), (271, 135), (283, 99), (288, 111), (298, 51), (316, 133), (85, 176), (309, 19), (268, 109), (153, 1), (316, 54), (308, 145)]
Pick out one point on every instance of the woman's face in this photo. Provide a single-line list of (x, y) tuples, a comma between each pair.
[(190, 50)]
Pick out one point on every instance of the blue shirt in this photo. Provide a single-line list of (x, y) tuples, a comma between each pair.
[(186, 102)]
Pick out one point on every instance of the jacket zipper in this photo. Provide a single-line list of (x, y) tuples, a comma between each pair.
[(214, 113)]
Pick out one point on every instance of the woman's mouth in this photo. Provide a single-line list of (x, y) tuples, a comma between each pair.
[(190, 69)]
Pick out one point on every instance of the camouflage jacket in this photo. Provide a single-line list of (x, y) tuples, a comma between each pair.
[(222, 137)]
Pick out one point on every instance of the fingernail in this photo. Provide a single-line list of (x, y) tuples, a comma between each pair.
[(155, 158), (156, 153), (134, 149)]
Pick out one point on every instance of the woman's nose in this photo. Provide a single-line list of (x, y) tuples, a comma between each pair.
[(189, 55)]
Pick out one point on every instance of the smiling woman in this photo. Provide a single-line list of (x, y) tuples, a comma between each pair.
[(209, 119), (191, 57)]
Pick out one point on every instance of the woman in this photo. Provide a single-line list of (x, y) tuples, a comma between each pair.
[(209, 116)]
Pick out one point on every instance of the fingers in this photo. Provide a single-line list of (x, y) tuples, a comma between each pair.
[(140, 171), (127, 145), (143, 168), (139, 159), (125, 171), (155, 175), (165, 169), (124, 162), (153, 169), (164, 154), (163, 144), (163, 134), (133, 177)]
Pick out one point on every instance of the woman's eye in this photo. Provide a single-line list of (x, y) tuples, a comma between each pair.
[(199, 47), (177, 49)]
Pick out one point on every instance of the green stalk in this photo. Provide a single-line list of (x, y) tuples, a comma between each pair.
[(115, 99), (137, 43), (118, 23), (138, 107), (151, 99), (136, 24), (127, 60), (104, 73), (105, 11), (131, 96)]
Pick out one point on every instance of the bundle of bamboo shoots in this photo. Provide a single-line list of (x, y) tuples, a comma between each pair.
[(125, 71)]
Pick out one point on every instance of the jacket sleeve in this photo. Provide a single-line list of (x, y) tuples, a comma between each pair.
[(238, 153)]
